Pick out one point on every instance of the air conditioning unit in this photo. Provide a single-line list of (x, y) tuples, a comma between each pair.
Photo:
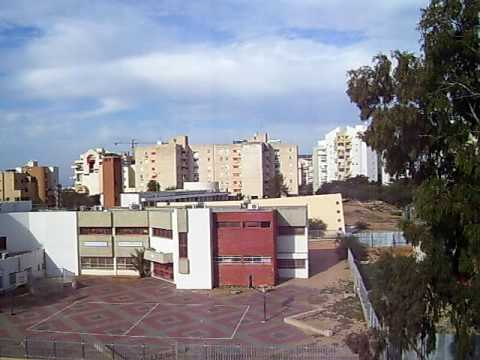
[(253, 206)]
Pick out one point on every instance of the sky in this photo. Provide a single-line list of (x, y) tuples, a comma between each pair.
[(80, 74)]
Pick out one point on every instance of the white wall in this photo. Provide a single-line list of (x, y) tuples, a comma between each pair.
[(293, 247), (128, 199), (55, 231), (32, 260), (199, 252)]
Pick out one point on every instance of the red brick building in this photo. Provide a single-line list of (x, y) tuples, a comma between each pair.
[(112, 180), (244, 248)]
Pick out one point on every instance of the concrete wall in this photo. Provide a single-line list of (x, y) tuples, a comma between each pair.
[(15, 206), (55, 231)]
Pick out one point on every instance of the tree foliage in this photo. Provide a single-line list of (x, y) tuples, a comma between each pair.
[(398, 193), (278, 186), (424, 118), (139, 263), (153, 186)]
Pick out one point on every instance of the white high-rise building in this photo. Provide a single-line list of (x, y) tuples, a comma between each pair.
[(342, 155)]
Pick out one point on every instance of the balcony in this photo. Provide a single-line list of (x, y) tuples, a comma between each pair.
[(158, 257)]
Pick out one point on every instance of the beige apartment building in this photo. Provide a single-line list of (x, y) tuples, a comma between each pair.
[(47, 181), (169, 164), (247, 167), (17, 186)]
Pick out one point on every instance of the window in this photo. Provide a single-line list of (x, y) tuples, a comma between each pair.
[(182, 245), (291, 263), (3, 243), (12, 279), (95, 243), (256, 224), (130, 243), (131, 231), (229, 224), (291, 230), (243, 259), (102, 263), (125, 263), (95, 231), (162, 233)]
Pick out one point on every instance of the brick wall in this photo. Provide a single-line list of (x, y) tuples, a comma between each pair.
[(244, 241)]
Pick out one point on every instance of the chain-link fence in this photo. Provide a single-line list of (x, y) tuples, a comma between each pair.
[(381, 238), (43, 349)]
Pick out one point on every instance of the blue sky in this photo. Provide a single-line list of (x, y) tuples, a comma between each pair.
[(85, 73)]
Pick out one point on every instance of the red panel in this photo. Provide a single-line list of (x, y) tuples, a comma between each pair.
[(228, 274), (164, 271), (244, 241)]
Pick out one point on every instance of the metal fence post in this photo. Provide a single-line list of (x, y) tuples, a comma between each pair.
[(143, 352), (113, 351), (83, 349), (26, 348), (54, 349)]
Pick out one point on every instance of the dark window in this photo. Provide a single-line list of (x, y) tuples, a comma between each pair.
[(291, 230), (291, 263), (95, 231), (131, 231), (12, 278), (125, 263), (3, 243), (229, 224), (182, 245), (257, 224), (162, 233), (102, 263)]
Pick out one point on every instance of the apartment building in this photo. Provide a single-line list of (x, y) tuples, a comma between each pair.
[(305, 174), (18, 186), (88, 171), (197, 248), (342, 155), (47, 182), (247, 167), (169, 164)]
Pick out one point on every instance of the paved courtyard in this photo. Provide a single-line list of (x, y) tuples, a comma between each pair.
[(150, 311)]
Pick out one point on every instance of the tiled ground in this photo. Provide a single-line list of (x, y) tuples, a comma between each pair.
[(149, 310)]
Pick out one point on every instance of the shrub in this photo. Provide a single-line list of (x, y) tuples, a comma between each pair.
[(350, 242)]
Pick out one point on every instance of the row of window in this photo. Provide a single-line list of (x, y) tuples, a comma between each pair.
[(291, 263), (118, 243), (118, 231), (245, 224), (243, 259), (104, 263)]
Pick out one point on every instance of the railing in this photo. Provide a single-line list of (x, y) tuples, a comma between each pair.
[(43, 349), (361, 291)]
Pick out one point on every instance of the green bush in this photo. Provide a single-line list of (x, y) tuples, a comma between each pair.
[(358, 250)]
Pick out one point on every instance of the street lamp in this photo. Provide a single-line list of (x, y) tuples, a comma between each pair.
[(263, 290)]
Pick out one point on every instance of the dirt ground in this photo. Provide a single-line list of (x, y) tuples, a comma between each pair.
[(337, 308), (378, 215)]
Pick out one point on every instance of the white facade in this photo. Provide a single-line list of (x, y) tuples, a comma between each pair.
[(88, 176), (200, 271), (54, 231), (18, 269), (342, 155)]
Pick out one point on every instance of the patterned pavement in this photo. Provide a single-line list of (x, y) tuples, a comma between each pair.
[(152, 311)]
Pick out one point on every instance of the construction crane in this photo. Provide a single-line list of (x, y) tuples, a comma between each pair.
[(133, 143)]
